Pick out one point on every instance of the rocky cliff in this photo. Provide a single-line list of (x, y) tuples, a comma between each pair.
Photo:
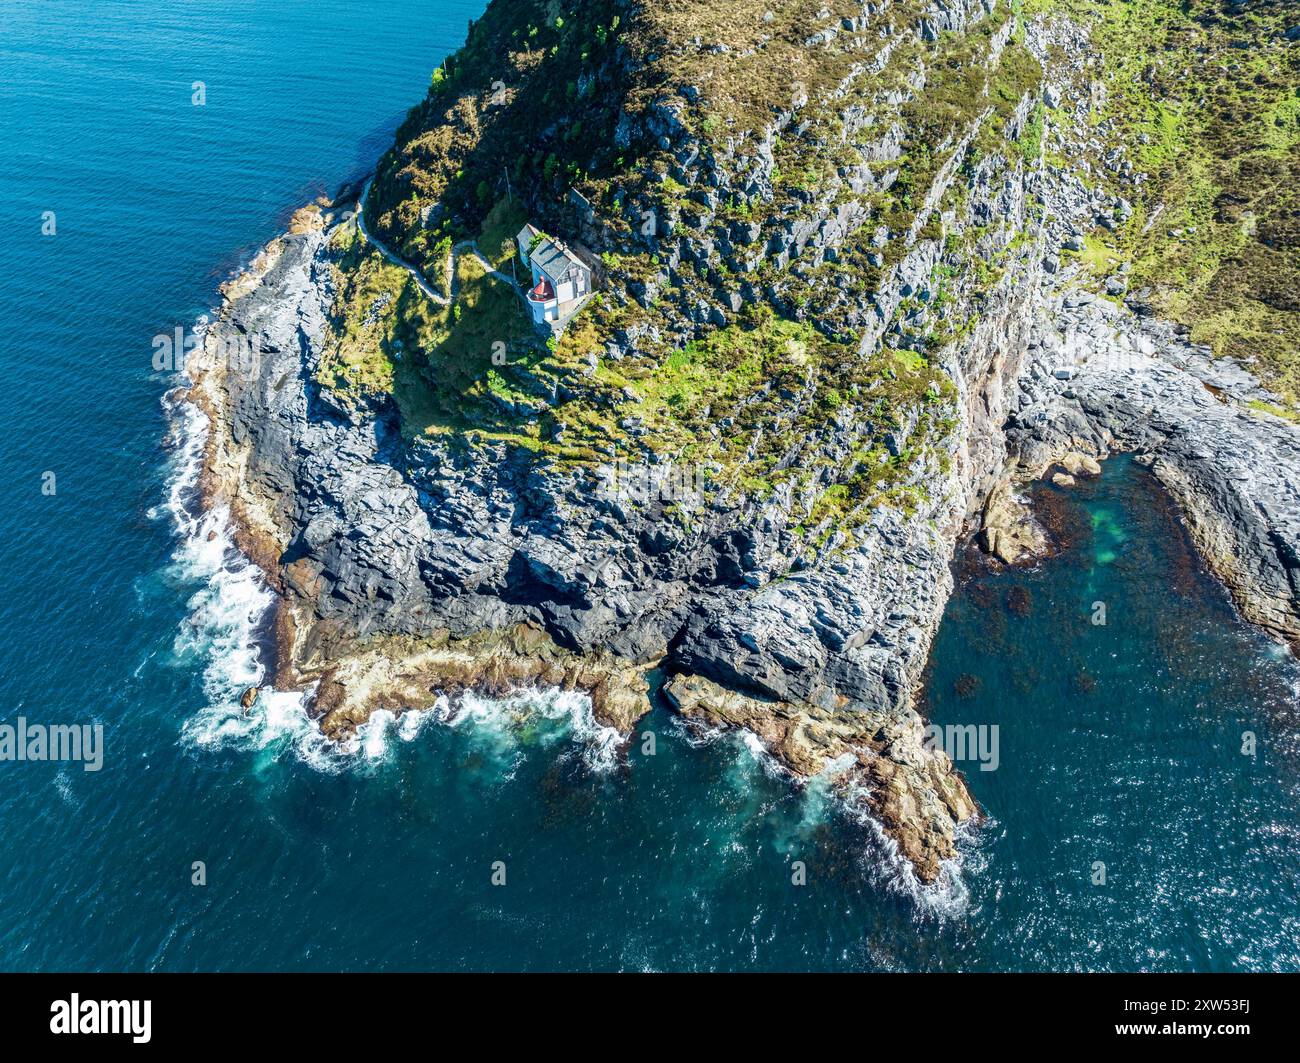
[(850, 290)]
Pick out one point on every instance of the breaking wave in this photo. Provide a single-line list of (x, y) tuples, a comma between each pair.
[(832, 792), (228, 634), (948, 897)]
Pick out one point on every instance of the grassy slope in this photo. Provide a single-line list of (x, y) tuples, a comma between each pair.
[(1207, 99), (1214, 125), (449, 368), (744, 400)]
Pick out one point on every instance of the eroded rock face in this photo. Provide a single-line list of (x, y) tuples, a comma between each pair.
[(407, 570), (1009, 530), (1135, 386), (399, 586), (408, 673)]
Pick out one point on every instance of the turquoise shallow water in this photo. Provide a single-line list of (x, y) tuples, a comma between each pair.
[(1117, 743), (1122, 744)]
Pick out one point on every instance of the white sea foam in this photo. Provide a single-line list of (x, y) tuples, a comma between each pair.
[(948, 897), (835, 788), (757, 749), (233, 604), (696, 733), (538, 717), (883, 863)]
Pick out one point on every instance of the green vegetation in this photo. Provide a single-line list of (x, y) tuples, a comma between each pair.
[(359, 352), (468, 365), (549, 99), (1100, 256), (497, 237), (1276, 411), (752, 395), (476, 134), (973, 91), (1206, 99), (1030, 141), (748, 397)]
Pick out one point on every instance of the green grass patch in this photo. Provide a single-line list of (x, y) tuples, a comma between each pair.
[(497, 236), (1205, 100)]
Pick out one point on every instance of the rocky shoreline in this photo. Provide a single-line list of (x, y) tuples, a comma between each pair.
[(280, 459), (1097, 379), (1102, 379), (408, 569), (880, 760)]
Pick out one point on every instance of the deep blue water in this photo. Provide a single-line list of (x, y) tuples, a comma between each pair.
[(1118, 744)]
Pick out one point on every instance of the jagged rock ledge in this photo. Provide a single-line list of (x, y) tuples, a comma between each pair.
[(1103, 379), (320, 501), (911, 789), (401, 674), (406, 568), (279, 301)]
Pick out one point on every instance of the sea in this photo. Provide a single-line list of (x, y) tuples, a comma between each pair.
[(1142, 811)]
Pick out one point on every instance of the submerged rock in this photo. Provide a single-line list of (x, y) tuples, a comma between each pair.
[(1009, 531), (1234, 472), (1020, 602)]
